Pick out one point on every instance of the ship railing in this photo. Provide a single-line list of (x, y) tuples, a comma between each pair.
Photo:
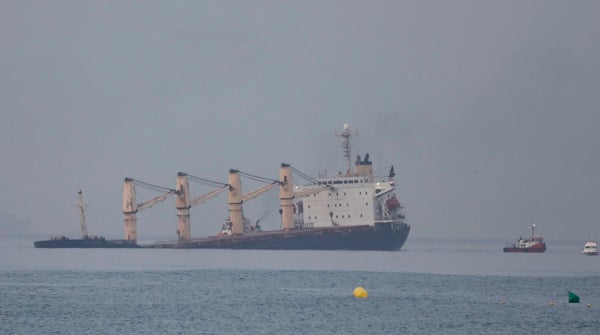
[(386, 216), (388, 220), (303, 225)]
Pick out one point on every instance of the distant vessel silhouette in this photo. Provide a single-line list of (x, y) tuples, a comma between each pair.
[(590, 248), (86, 241), (534, 243)]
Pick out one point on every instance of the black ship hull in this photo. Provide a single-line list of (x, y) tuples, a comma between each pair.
[(84, 243), (382, 236)]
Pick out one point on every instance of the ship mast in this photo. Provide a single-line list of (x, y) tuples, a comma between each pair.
[(346, 134), (81, 207)]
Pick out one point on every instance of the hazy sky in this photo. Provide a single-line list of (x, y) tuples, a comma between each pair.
[(488, 110)]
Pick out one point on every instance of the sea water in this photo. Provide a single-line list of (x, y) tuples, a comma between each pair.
[(465, 287)]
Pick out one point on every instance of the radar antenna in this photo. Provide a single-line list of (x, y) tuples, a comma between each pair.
[(346, 134)]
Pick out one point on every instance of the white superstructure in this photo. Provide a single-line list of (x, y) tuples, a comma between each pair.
[(357, 198), (590, 248)]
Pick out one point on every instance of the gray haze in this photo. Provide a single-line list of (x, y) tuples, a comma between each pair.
[(488, 110)]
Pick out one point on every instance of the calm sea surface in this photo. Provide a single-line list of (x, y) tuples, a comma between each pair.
[(427, 288)]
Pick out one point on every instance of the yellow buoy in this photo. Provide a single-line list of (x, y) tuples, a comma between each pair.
[(360, 292)]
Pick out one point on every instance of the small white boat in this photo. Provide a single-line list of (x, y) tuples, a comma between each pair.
[(590, 248)]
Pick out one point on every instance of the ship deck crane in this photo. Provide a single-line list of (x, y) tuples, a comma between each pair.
[(288, 193), (253, 195), (131, 207), (184, 202), (81, 207), (236, 197)]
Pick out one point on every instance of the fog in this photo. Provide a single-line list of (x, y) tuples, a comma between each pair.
[(487, 110)]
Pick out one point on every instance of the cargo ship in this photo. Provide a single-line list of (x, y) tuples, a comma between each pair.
[(534, 243), (86, 241), (354, 210)]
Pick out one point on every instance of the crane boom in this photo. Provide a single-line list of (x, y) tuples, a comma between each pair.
[(131, 206), (253, 194), (154, 201), (203, 198)]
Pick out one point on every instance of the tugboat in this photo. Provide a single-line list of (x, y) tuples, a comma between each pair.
[(86, 241), (535, 243), (590, 248)]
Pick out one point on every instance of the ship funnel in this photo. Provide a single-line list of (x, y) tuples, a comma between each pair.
[(365, 167)]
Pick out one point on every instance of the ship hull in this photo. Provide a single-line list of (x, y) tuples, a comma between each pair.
[(85, 243), (382, 236), (536, 248)]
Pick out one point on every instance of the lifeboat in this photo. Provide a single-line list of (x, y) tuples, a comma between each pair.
[(392, 203)]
